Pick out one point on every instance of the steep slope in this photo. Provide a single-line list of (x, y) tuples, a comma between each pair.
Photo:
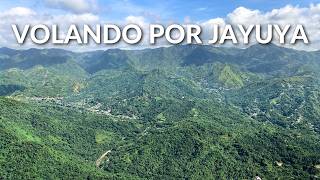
[(26, 59), (54, 81), (210, 141), (289, 102), (229, 78), (184, 112), (273, 60), (107, 60), (42, 142)]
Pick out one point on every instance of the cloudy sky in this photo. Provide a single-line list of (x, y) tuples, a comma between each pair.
[(143, 12)]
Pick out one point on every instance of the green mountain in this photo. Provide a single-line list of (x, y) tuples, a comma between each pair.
[(181, 112), (42, 72)]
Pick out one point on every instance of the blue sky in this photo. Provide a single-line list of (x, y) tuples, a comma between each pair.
[(169, 10), (143, 12)]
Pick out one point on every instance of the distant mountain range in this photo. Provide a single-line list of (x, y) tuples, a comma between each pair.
[(180, 112)]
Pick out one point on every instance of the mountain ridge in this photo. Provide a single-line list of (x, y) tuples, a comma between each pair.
[(181, 112)]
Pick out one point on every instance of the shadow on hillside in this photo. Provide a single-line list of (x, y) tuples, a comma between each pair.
[(8, 89)]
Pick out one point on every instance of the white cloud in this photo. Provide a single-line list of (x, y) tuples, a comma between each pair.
[(139, 20), (207, 27), (22, 16), (76, 6), (201, 9), (210, 22), (79, 19), (243, 15), (18, 11), (308, 16)]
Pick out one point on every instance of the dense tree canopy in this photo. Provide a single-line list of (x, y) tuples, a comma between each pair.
[(182, 112)]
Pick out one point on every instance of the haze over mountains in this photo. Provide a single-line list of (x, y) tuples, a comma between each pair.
[(181, 112)]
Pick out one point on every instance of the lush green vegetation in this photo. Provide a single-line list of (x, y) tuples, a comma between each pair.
[(183, 112)]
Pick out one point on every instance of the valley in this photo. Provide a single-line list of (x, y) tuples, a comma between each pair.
[(180, 112)]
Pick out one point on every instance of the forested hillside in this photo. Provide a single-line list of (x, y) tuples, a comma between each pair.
[(181, 112)]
